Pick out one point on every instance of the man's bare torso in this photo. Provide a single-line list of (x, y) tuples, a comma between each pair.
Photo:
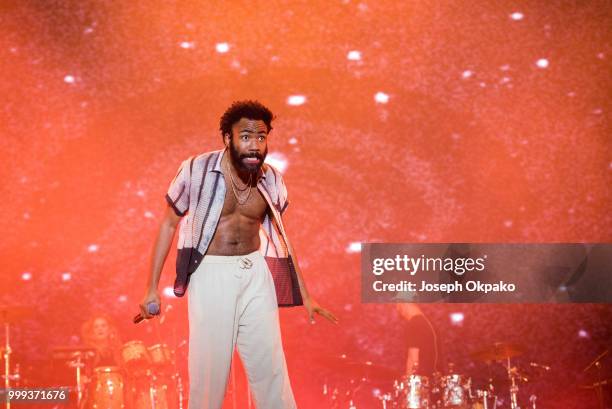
[(238, 229)]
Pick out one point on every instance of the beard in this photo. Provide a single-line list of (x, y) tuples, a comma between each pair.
[(237, 159)]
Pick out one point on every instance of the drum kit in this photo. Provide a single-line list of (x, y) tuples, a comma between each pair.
[(450, 390), (146, 378), (455, 390)]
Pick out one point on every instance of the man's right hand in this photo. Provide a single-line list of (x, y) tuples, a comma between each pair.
[(152, 296)]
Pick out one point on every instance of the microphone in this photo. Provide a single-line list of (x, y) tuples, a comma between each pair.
[(535, 365), (152, 308)]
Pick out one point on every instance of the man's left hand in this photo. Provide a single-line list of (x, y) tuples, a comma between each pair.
[(313, 307)]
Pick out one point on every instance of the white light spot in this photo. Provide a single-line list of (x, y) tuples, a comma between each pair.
[(92, 248), (542, 63), (88, 30), (505, 80), (505, 67), (571, 210), (571, 94), (148, 214), (381, 98), (187, 45), (140, 193), (122, 298), (278, 160), (517, 15), (456, 318), (508, 223), (222, 48), (66, 276), (168, 292), (467, 74), (26, 216), (354, 55), (348, 307), (609, 167), (13, 50), (354, 247), (597, 111), (455, 136), (482, 84), (601, 56), (293, 141), (296, 100), (69, 79), (27, 276), (583, 334)]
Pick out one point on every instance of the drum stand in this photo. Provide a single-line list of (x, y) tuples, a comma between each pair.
[(78, 364), (512, 375), (7, 360)]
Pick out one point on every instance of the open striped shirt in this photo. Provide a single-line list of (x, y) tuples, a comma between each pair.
[(197, 192)]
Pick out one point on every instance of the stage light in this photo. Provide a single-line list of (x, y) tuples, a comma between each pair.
[(456, 318), (381, 97), (296, 100), (222, 47), (278, 160), (354, 55), (354, 247)]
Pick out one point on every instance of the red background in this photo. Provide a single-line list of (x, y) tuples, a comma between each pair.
[(101, 101)]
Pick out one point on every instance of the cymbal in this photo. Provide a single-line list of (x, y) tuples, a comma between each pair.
[(342, 363), (498, 352), (15, 313), (73, 351), (371, 370), (596, 384)]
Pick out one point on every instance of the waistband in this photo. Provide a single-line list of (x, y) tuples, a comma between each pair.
[(230, 259)]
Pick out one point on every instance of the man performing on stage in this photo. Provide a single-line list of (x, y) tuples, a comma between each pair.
[(422, 357), (234, 256)]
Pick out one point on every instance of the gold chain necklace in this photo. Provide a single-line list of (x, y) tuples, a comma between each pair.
[(235, 186)]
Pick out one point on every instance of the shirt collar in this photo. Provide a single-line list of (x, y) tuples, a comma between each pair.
[(217, 166)]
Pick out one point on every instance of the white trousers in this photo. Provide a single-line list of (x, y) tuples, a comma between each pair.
[(232, 302)]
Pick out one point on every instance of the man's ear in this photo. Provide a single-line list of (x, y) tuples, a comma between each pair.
[(226, 139)]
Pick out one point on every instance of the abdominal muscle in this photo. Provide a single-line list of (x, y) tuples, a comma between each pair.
[(235, 235)]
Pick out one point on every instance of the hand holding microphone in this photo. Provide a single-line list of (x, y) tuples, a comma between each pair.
[(152, 309)]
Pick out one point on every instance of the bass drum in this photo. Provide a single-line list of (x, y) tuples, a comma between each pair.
[(106, 389), (135, 357), (455, 391), (414, 392), (158, 393)]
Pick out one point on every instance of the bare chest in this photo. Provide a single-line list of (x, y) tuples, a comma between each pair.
[(248, 202)]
